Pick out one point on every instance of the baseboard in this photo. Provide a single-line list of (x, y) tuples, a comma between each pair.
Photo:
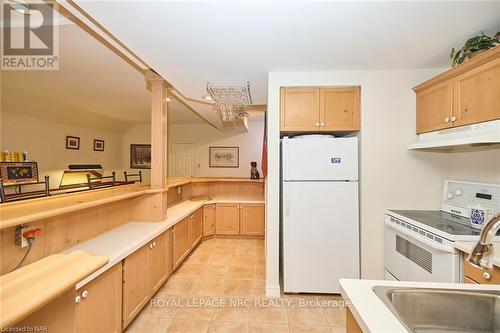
[(273, 291)]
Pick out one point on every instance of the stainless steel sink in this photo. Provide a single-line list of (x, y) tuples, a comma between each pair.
[(443, 310)]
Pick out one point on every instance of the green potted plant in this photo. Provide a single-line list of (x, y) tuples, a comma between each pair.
[(474, 46)]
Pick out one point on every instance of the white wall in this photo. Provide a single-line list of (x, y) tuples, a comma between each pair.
[(475, 165), (45, 142), (390, 175), (137, 134), (203, 136)]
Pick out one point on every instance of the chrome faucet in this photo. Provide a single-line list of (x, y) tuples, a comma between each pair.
[(482, 254)]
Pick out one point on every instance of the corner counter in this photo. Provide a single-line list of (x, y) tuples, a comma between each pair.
[(370, 312)]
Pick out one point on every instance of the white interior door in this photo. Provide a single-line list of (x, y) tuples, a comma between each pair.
[(181, 160)]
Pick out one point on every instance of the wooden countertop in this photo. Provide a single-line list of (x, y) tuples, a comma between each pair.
[(174, 181), (16, 213), (27, 289)]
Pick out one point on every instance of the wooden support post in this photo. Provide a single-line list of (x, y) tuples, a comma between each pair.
[(153, 207)]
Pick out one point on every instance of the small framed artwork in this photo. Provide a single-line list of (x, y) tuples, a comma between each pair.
[(72, 142), (140, 156), (99, 145), (224, 157), (18, 172)]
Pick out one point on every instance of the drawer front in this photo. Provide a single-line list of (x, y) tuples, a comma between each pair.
[(481, 276)]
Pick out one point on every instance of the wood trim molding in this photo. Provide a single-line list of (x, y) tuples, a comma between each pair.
[(477, 61)]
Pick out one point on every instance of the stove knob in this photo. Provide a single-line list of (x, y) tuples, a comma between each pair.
[(450, 195), (458, 192)]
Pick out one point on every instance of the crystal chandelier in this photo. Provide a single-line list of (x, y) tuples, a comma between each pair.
[(233, 102)]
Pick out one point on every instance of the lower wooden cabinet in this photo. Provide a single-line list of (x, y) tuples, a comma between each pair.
[(477, 275), (58, 316), (135, 284), (252, 219), (181, 242), (208, 220), (352, 325), (196, 227), (99, 303), (159, 264), (227, 219), (144, 272)]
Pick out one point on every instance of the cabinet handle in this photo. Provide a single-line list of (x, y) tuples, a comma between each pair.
[(154, 244), (213, 206), (487, 275), (322, 124), (85, 293), (453, 119), (78, 299), (346, 111), (446, 120), (317, 124), (150, 246)]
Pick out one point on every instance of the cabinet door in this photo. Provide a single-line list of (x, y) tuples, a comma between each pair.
[(208, 220), (227, 219), (299, 109), (59, 316), (480, 276), (181, 242), (339, 109), (100, 306), (135, 284), (434, 108), (157, 263), (477, 94), (196, 228), (252, 219)]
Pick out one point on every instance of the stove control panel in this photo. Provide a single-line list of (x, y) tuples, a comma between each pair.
[(459, 197)]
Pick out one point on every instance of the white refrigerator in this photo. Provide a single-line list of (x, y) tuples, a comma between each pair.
[(320, 213)]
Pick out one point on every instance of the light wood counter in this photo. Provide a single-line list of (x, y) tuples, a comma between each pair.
[(16, 213), (29, 288), (175, 181), (20, 212)]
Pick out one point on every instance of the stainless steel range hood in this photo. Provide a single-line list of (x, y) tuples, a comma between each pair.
[(481, 134)]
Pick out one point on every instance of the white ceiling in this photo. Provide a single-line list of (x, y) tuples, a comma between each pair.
[(93, 88), (192, 43)]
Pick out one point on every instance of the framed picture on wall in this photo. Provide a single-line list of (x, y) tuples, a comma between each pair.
[(224, 157), (99, 145), (140, 156), (18, 172), (72, 142)]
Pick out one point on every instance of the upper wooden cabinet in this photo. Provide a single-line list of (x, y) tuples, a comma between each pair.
[(434, 108), (466, 94), (299, 109), (477, 94), (320, 109), (339, 109)]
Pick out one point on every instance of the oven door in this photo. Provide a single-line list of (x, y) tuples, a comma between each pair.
[(409, 259)]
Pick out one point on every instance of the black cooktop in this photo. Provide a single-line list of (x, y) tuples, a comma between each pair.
[(446, 222)]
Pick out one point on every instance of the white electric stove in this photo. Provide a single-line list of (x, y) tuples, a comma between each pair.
[(419, 244)]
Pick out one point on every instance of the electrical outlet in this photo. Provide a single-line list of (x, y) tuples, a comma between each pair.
[(20, 240)]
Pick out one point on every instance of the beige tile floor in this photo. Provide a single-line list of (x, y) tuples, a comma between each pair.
[(220, 288)]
